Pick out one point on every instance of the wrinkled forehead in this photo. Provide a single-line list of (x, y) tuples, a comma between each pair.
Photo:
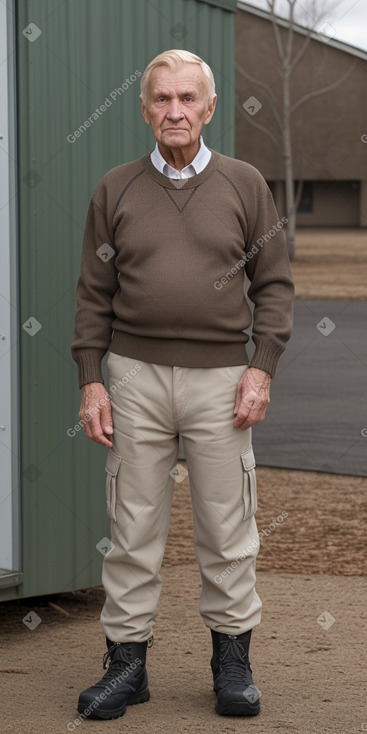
[(189, 78)]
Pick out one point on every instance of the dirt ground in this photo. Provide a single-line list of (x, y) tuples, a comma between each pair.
[(331, 264), (324, 531), (312, 679), (309, 667)]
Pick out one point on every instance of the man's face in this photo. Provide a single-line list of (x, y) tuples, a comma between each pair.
[(178, 105)]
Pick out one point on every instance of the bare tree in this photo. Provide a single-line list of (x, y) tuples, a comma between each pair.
[(288, 57)]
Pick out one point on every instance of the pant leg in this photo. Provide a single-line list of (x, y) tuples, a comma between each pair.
[(223, 495), (139, 495)]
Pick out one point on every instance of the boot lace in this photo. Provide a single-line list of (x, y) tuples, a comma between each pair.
[(234, 661), (117, 665)]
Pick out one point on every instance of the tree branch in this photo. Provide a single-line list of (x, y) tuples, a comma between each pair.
[(277, 36), (290, 31), (258, 126), (301, 52), (268, 91), (324, 90)]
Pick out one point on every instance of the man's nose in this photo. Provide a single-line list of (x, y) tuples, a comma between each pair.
[(175, 111)]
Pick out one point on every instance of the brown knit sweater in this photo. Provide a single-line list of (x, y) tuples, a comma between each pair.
[(162, 269)]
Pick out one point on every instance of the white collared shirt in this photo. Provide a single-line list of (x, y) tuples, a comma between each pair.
[(197, 165)]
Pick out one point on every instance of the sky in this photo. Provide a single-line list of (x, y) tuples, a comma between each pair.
[(345, 20)]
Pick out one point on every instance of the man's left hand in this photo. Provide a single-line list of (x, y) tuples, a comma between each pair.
[(252, 398)]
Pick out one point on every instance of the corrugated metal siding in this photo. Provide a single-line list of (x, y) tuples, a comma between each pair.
[(86, 49)]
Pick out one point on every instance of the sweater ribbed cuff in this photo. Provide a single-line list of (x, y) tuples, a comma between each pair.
[(89, 366), (266, 356)]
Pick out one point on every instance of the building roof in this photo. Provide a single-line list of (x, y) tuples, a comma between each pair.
[(224, 4), (322, 38)]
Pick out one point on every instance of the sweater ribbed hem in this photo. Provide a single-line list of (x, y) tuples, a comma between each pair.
[(266, 356), (89, 365), (179, 352)]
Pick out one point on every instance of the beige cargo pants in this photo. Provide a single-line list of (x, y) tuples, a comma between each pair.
[(151, 404)]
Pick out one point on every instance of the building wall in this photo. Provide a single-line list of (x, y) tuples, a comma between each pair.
[(336, 204), (333, 203), (70, 61), (326, 131)]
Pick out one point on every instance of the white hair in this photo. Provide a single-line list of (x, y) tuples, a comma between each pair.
[(175, 59)]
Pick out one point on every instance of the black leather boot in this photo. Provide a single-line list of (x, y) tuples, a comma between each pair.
[(236, 692), (124, 683)]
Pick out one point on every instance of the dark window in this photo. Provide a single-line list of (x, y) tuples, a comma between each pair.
[(305, 205)]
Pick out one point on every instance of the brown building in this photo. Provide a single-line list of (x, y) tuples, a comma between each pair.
[(329, 131)]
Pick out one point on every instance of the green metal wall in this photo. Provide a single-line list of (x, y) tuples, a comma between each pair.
[(86, 49)]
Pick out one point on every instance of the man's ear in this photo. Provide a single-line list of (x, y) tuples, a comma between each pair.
[(144, 110), (210, 110)]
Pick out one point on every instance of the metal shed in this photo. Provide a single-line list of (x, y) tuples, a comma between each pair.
[(71, 83)]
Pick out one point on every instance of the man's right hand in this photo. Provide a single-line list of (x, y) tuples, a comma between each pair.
[(95, 412)]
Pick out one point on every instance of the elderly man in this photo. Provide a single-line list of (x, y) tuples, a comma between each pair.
[(167, 241)]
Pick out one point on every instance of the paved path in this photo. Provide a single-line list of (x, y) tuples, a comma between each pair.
[(317, 418)]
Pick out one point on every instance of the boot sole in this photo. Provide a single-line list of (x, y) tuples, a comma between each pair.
[(238, 709), (98, 713)]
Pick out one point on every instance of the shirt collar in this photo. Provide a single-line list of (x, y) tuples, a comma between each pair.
[(197, 165)]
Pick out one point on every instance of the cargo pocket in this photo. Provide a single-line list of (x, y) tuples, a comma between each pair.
[(112, 466), (249, 483)]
